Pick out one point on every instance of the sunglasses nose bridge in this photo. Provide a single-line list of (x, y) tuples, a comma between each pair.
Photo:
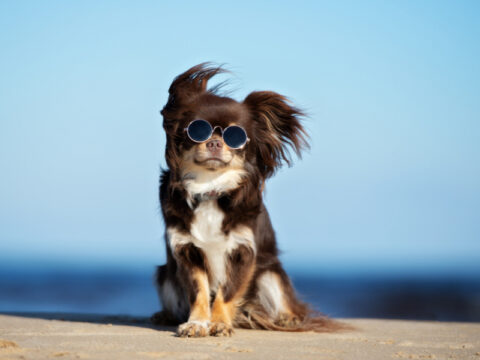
[(217, 127)]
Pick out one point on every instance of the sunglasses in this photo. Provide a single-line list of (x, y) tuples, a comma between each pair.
[(200, 131)]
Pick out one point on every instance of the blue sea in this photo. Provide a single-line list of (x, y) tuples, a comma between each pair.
[(121, 291)]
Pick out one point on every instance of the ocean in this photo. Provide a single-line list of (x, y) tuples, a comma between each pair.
[(120, 291)]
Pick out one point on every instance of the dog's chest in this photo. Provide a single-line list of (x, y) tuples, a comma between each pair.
[(207, 234), (207, 223)]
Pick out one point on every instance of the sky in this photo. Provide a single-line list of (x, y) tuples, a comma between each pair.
[(392, 179)]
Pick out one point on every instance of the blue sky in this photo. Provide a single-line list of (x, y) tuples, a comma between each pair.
[(391, 183)]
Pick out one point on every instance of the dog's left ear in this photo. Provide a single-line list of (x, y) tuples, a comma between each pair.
[(184, 90), (277, 129)]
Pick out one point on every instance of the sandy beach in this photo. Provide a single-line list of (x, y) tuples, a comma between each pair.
[(67, 336)]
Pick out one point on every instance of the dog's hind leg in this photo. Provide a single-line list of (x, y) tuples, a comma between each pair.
[(175, 306), (276, 296), (277, 299)]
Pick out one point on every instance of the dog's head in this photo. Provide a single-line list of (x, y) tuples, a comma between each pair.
[(271, 124)]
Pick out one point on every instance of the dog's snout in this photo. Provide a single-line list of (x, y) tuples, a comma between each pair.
[(214, 145)]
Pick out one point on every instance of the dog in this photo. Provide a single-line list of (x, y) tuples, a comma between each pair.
[(222, 268)]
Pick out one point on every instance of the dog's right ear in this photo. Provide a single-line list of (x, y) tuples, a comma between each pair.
[(184, 90), (277, 129)]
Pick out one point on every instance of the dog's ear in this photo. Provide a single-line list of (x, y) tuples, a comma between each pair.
[(184, 90), (277, 129)]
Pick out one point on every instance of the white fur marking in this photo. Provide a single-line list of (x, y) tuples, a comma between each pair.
[(270, 294), (170, 299), (206, 234), (206, 181)]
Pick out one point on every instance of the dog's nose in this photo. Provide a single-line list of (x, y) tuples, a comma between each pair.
[(214, 145)]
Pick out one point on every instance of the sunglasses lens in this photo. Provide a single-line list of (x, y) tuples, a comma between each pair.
[(199, 130), (235, 137)]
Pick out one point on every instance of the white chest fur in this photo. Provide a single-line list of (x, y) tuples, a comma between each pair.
[(206, 234), (202, 182)]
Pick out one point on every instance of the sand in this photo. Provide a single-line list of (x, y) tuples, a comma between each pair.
[(57, 336)]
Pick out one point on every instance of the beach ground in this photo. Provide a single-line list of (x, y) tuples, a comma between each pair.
[(67, 336)]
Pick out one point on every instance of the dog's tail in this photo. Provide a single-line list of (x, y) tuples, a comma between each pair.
[(252, 316)]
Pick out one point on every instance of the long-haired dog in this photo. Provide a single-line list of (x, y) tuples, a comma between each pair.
[(222, 267)]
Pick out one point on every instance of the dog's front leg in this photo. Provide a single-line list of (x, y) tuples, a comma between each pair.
[(241, 267), (192, 268), (199, 319)]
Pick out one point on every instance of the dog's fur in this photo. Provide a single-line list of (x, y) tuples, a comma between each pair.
[(222, 267)]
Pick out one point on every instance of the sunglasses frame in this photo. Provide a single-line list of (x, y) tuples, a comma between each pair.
[(213, 130)]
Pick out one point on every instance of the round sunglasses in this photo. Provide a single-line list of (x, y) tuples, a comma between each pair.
[(200, 131)]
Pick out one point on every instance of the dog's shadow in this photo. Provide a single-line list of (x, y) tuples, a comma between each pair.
[(124, 320)]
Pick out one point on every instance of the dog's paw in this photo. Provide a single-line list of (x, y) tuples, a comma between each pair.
[(220, 329), (288, 321), (193, 329)]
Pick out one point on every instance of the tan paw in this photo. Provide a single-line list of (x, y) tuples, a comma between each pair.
[(193, 329), (220, 329), (288, 321)]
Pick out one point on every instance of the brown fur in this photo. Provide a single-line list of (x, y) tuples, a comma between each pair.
[(274, 127), (200, 309)]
